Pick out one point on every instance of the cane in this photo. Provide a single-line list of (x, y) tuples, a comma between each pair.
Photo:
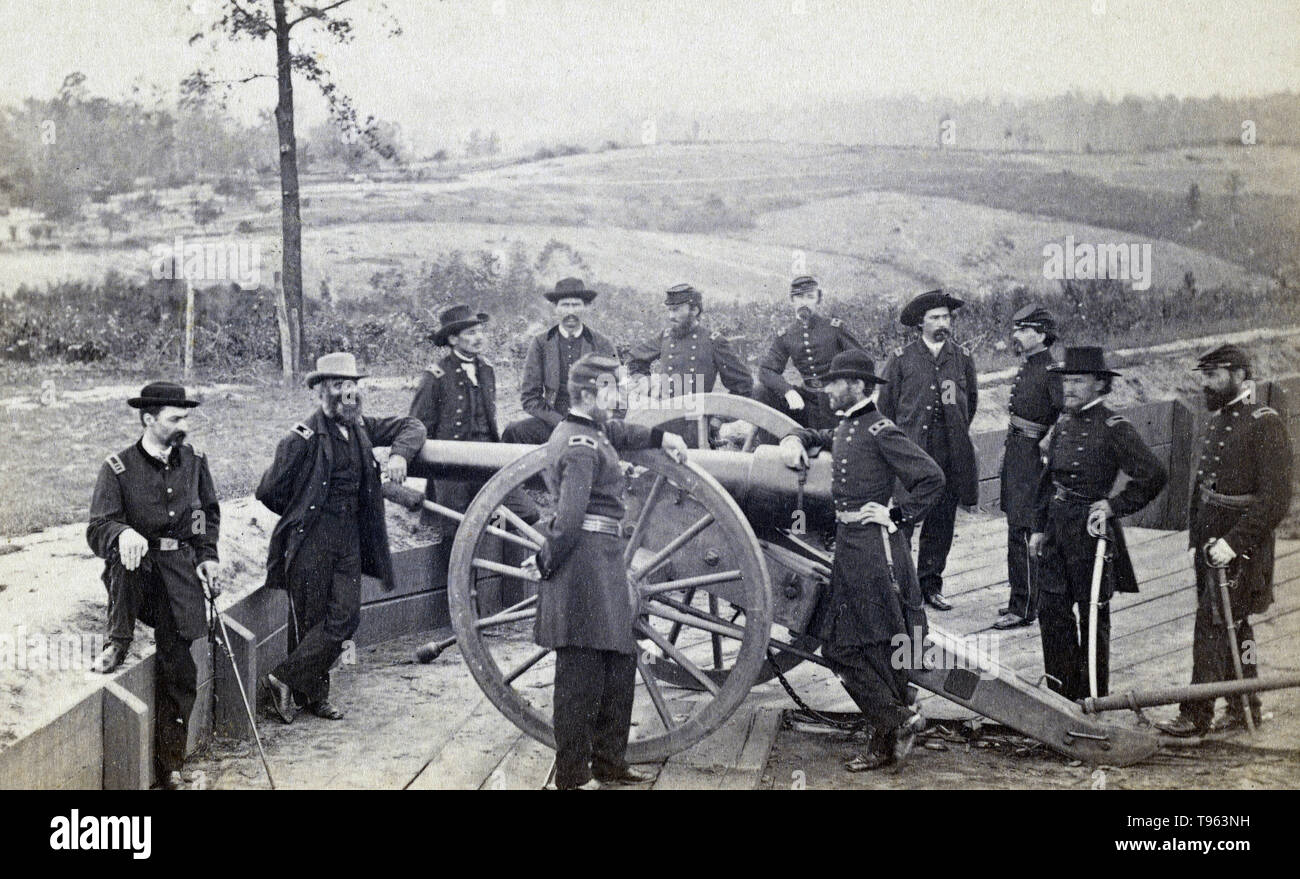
[(1225, 597), (1094, 593), (243, 694)]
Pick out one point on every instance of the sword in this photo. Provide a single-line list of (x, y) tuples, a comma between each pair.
[(1225, 597), (1094, 593), (243, 694)]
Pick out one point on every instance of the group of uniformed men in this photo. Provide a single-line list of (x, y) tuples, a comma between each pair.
[(902, 458)]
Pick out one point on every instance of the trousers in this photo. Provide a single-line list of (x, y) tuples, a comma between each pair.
[(1022, 573), (1211, 650), (592, 715)]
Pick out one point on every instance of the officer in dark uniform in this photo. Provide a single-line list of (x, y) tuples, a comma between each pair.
[(1035, 404), (690, 357), (875, 597), (810, 341), (583, 609), (324, 484), (1090, 446), (154, 519), (456, 400), (932, 394), (1242, 492), (544, 388)]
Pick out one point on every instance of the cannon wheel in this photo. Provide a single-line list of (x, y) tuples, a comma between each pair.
[(698, 409), (513, 673)]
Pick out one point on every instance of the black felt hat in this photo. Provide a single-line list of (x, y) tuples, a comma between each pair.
[(570, 288), (455, 319), (162, 394), (1084, 360), (915, 310), (853, 364)]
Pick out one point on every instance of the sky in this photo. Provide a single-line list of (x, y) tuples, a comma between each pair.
[(537, 70)]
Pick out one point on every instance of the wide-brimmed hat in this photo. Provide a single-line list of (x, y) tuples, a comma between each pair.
[(162, 394), (570, 288), (915, 310), (339, 364), (1225, 356), (684, 293), (1084, 360), (455, 319), (853, 364)]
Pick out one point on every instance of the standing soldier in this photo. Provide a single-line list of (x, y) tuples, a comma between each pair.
[(1089, 448), (1035, 404), (584, 611), (810, 341), (1242, 493), (154, 519), (875, 597), (324, 485), (545, 393), (690, 357), (932, 394)]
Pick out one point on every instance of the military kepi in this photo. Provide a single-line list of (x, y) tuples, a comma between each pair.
[(915, 310), (853, 364), (593, 371), (1225, 356), (1035, 317), (684, 293), (339, 364), (570, 288), (1083, 360), (162, 394), (803, 284)]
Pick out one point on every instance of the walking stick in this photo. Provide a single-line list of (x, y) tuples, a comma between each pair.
[(1225, 597), (1094, 593), (243, 694)]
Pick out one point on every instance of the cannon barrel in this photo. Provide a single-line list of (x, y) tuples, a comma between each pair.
[(764, 488)]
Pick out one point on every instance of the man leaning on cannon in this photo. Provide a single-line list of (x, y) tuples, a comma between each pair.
[(324, 484), (154, 519), (875, 597), (1242, 492), (584, 611)]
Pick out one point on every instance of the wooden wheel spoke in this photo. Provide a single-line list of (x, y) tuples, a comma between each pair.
[(638, 530), (528, 663), (690, 583), (513, 518), (750, 441), (717, 639), (695, 618), (675, 544), (680, 658), (657, 697), (498, 568), (515, 612), (498, 531), (703, 431)]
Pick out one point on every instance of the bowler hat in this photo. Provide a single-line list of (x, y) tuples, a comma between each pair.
[(570, 288), (915, 310), (1225, 356), (803, 284), (1084, 360), (455, 319), (684, 293), (853, 364), (162, 394), (593, 371), (339, 364)]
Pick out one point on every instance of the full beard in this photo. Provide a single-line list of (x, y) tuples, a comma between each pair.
[(346, 411), (1216, 400), (804, 313), (176, 439), (681, 330)]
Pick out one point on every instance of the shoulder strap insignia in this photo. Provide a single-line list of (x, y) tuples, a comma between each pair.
[(715, 335), (1115, 419), (879, 426), (435, 370), (1264, 410), (665, 333), (198, 453), (898, 352), (836, 322), (581, 439), (303, 431), (116, 463)]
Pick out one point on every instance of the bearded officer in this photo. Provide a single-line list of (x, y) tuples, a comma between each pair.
[(1242, 492), (1035, 404), (544, 388), (691, 357), (811, 340), (875, 597), (584, 611), (154, 519), (932, 394), (1089, 448), (324, 484)]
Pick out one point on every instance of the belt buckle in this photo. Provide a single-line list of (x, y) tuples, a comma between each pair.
[(168, 544), (815, 384)]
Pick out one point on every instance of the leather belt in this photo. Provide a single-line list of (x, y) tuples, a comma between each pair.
[(1069, 495), (1226, 501), (814, 384), (602, 525), (1031, 429), (165, 544)]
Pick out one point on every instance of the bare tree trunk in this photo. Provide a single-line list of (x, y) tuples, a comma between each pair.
[(290, 215)]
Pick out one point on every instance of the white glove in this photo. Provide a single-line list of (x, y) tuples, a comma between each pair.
[(1098, 513), (531, 571), (877, 514), (1220, 553), (675, 446), (793, 454), (131, 547), (793, 400)]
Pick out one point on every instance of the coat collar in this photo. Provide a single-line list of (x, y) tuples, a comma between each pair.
[(554, 332), (858, 410)]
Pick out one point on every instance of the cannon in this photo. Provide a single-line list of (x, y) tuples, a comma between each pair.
[(727, 564)]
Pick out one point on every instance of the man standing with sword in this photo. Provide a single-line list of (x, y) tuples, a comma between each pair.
[(1242, 491), (1074, 516)]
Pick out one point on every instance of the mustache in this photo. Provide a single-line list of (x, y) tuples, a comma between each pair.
[(176, 439)]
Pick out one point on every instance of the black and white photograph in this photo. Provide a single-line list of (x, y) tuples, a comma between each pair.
[(651, 395)]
